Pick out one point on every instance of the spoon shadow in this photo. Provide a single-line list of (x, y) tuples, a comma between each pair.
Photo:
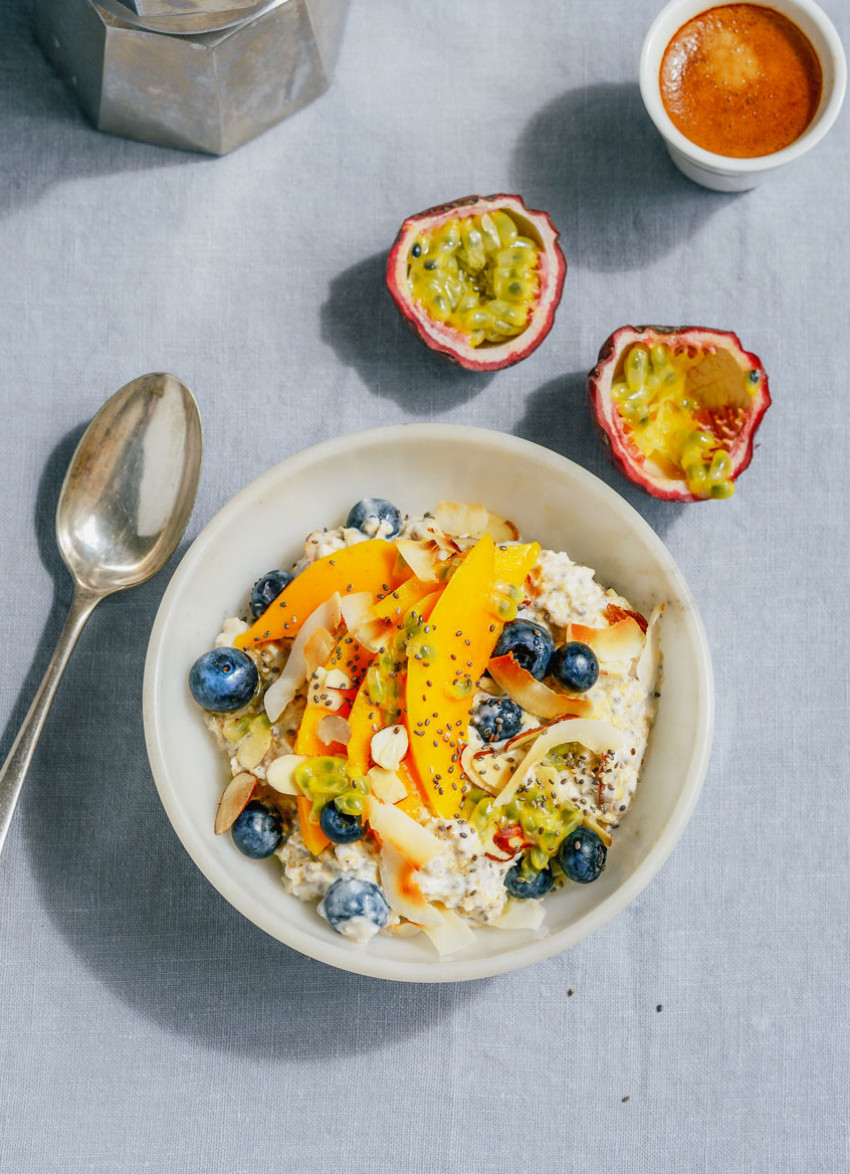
[(594, 160), (361, 324), (118, 885), (557, 417)]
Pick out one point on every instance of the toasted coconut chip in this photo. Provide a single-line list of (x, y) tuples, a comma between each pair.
[(452, 935), (650, 658), (386, 785), (532, 695), (404, 897), (490, 769), (527, 914), (354, 607), (501, 530), (425, 559), (333, 728), (280, 692), (395, 827), (405, 929), (622, 641), (596, 736), (280, 773), (373, 632), (456, 517), (317, 648), (233, 800)]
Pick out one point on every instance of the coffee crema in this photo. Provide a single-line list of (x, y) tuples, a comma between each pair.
[(741, 80)]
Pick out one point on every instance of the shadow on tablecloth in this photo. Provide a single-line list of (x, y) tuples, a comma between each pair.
[(118, 885), (557, 417), (49, 139), (593, 159)]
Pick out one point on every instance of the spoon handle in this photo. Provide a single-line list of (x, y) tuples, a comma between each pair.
[(15, 767)]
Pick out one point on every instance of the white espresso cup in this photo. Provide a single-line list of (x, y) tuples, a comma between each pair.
[(726, 173)]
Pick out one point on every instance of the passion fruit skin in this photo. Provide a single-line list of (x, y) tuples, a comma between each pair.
[(608, 422), (445, 339)]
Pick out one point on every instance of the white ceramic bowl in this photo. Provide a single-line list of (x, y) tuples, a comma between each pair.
[(721, 172), (417, 466)]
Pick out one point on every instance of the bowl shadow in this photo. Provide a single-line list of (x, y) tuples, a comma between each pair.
[(557, 417), (118, 885), (593, 159), (361, 324)]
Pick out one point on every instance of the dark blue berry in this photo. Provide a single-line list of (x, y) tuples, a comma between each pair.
[(223, 679), (582, 856), (349, 898), (372, 512), (267, 589), (530, 643), (339, 827), (575, 666), (518, 886), (257, 831), (497, 718)]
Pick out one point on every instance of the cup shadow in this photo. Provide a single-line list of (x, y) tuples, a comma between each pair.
[(595, 162), (360, 322), (40, 112), (557, 417), (118, 885)]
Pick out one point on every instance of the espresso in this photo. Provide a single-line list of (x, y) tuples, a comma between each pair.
[(741, 80)]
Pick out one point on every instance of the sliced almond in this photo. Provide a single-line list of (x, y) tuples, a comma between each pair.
[(452, 935), (337, 679), (526, 914), (233, 801), (532, 695), (622, 641), (280, 692), (389, 746), (395, 827), (404, 896), (280, 773), (386, 785), (333, 728), (253, 749), (318, 648)]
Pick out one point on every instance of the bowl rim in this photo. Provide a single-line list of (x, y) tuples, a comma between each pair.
[(809, 17), (438, 970)]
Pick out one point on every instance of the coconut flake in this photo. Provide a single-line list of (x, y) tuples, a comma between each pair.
[(354, 607), (532, 695), (525, 914), (452, 935), (650, 658), (404, 896), (318, 648), (455, 517), (280, 692), (425, 559), (622, 641), (395, 827), (596, 736)]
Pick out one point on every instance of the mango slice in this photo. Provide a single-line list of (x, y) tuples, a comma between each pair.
[(367, 566), (445, 664)]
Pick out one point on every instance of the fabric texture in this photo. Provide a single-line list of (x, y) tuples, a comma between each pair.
[(147, 1026)]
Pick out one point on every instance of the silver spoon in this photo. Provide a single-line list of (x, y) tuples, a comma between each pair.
[(124, 504)]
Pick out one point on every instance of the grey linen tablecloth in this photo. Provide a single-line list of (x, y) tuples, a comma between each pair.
[(145, 1024)]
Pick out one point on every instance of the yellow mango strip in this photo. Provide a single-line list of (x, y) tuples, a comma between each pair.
[(453, 653), (312, 835), (412, 805), (367, 566), (514, 562)]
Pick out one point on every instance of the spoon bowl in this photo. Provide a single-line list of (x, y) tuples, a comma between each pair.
[(125, 503)]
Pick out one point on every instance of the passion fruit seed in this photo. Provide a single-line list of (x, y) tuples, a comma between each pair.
[(478, 274), (652, 398), (326, 779)]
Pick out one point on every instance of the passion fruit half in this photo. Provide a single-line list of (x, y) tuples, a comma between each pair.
[(677, 407), (479, 279)]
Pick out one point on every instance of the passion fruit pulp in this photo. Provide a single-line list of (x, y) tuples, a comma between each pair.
[(478, 279), (678, 407)]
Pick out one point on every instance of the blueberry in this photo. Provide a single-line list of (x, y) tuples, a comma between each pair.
[(223, 679), (373, 512), (350, 899), (530, 643), (582, 856), (339, 827), (575, 666), (257, 831), (267, 589), (497, 718), (518, 886)]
